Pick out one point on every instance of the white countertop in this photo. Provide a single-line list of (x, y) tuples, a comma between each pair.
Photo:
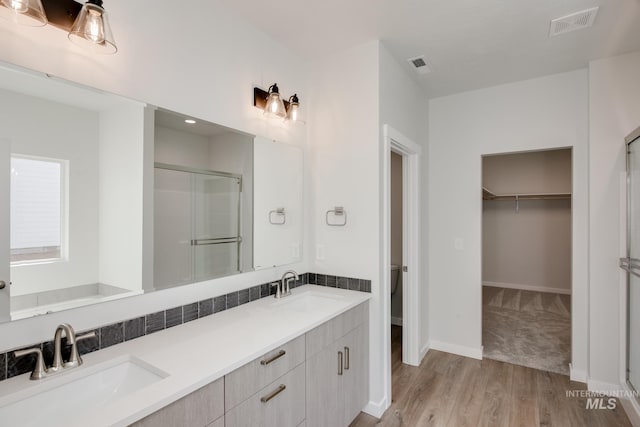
[(196, 353)]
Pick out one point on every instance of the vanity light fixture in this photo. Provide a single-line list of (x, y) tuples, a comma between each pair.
[(294, 105), (189, 121), (24, 12), (91, 28), (87, 24), (274, 106)]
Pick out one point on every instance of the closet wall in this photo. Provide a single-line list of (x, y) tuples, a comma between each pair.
[(529, 248)]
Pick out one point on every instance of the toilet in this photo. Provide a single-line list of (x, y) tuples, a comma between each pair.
[(395, 277)]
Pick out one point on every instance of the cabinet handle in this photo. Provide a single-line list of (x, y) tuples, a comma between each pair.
[(346, 358), (340, 363), (265, 362), (274, 393)]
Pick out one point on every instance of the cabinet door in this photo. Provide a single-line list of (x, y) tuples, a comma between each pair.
[(354, 384), (322, 388)]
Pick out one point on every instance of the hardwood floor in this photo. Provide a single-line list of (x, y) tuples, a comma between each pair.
[(456, 391)]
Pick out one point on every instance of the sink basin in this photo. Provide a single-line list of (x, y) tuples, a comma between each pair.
[(310, 301), (57, 400)]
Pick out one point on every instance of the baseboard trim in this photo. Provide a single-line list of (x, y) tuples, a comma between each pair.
[(424, 350), (631, 406), (461, 350), (603, 387), (528, 287), (376, 409), (577, 375), (396, 321)]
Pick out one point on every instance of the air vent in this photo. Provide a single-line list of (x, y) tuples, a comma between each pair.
[(418, 63), (575, 21)]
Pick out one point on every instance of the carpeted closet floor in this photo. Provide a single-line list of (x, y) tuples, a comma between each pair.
[(527, 328)]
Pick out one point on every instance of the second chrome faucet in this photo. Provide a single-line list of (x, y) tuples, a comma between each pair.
[(283, 288), (40, 370)]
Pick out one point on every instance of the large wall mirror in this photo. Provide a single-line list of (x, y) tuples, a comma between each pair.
[(86, 172)]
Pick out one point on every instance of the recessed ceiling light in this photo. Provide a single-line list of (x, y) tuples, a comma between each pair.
[(189, 121)]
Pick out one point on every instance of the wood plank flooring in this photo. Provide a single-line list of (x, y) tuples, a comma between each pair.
[(450, 390)]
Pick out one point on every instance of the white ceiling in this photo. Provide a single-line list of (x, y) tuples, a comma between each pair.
[(468, 44)]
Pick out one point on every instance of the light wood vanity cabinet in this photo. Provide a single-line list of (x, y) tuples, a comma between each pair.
[(338, 369), (270, 390), (318, 379), (280, 404), (202, 408)]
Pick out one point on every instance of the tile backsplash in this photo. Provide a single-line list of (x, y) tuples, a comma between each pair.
[(129, 329)]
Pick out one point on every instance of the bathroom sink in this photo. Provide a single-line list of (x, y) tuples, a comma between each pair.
[(57, 400), (310, 301)]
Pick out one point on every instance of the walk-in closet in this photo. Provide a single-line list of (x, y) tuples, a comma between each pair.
[(526, 258)]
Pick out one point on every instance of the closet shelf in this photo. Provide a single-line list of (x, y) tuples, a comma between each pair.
[(490, 195)]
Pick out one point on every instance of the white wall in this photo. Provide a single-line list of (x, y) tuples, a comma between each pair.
[(344, 161), (535, 172), (528, 249), (352, 94), (121, 202), (196, 71), (614, 104), (404, 106), (38, 127), (536, 114)]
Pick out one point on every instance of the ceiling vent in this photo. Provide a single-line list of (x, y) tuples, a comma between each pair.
[(419, 65), (575, 21)]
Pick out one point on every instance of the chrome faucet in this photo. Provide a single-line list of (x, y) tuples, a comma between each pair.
[(282, 286), (287, 277), (40, 370)]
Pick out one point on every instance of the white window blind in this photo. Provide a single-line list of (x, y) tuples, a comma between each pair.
[(36, 208)]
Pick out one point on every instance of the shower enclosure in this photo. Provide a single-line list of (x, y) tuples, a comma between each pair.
[(632, 262), (197, 227)]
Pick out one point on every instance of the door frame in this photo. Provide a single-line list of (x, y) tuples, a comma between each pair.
[(395, 141), (5, 227)]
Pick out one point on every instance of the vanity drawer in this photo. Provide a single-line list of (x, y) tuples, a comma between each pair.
[(279, 404), (198, 409), (248, 379)]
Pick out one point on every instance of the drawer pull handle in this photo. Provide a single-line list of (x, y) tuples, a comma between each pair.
[(340, 371), (265, 362), (346, 358), (274, 393)]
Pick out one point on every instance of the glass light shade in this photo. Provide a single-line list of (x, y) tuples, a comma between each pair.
[(293, 110), (91, 29), (274, 106), (24, 12)]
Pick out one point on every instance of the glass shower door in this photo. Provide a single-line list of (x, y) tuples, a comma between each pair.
[(216, 226), (632, 263), (196, 225)]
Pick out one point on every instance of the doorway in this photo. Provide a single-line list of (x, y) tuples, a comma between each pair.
[(407, 335), (396, 229), (526, 258)]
